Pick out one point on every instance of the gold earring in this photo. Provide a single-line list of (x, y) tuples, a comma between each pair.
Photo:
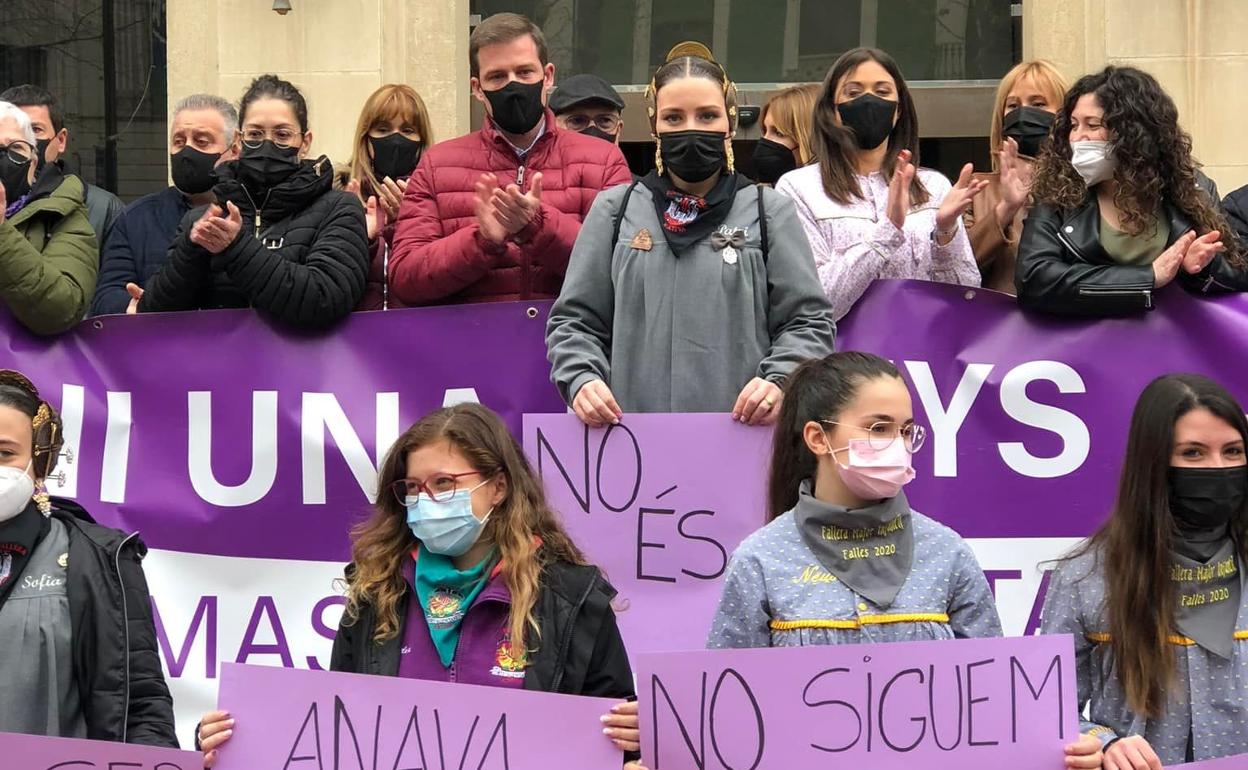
[(42, 501), (658, 158), (731, 168)]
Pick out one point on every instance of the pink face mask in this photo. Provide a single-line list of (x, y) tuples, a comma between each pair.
[(875, 474)]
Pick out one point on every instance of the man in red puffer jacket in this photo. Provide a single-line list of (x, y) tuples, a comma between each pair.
[(492, 216)]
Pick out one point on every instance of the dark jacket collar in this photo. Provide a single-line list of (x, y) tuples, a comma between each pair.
[(1080, 228), (492, 136), (313, 179)]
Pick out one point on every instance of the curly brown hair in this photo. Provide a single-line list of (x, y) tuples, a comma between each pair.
[(1154, 157), (527, 533)]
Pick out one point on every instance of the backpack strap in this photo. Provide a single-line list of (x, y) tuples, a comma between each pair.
[(762, 223), (619, 215)]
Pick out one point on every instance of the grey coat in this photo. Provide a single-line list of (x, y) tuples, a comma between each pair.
[(686, 334), (1209, 698)]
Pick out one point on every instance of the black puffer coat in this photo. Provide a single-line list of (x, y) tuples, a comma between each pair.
[(116, 662), (300, 258)]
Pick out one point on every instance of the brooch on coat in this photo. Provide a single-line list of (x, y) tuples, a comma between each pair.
[(730, 240)]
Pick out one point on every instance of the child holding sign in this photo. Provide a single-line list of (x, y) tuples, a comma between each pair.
[(465, 574), (844, 559), (1155, 598)]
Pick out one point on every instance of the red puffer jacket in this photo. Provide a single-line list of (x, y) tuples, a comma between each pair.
[(439, 257)]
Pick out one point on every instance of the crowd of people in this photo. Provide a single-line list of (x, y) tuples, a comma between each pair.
[(689, 288)]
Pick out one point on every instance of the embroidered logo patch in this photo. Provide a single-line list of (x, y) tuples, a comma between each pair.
[(642, 241), (62, 561), (509, 661), (444, 606)]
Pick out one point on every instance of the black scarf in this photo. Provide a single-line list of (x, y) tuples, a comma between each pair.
[(1206, 578), (19, 537), (687, 219), (870, 549)]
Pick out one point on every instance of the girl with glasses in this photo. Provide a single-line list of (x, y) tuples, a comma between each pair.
[(464, 574), (843, 558), (278, 237)]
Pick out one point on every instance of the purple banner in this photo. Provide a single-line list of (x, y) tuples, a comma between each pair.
[(943, 705), (35, 752), (659, 502), (292, 719), (193, 427), (1029, 414)]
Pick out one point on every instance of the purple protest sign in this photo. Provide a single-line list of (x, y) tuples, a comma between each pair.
[(1237, 762), (291, 719), (944, 705), (1029, 414), (193, 427), (659, 502), (35, 752)]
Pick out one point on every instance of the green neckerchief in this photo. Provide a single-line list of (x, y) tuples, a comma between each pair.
[(445, 594)]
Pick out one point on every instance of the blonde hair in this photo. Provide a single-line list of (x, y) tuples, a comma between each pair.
[(524, 529), (793, 111), (393, 102), (1039, 71)]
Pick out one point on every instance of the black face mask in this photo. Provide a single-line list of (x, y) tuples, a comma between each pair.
[(193, 171), (1204, 498), (395, 156), (598, 133), (870, 118), (517, 107), (772, 160), (694, 156), (41, 148), (268, 165), (15, 177), (1029, 127)]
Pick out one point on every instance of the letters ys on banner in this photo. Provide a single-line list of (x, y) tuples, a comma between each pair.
[(945, 705), (288, 719), (35, 752)]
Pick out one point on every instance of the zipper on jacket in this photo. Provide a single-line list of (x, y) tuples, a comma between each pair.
[(557, 680), (258, 209), (125, 617), (520, 176), (1118, 291), (1068, 244)]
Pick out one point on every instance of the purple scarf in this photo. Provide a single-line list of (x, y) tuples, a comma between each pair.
[(16, 206)]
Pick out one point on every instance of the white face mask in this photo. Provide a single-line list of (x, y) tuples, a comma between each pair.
[(16, 490), (1093, 160)]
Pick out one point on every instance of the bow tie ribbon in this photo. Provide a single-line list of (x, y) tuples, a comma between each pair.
[(735, 239)]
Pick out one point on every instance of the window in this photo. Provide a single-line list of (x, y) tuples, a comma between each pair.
[(105, 61), (773, 41)]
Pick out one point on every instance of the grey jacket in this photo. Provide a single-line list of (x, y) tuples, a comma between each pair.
[(1208, 700), (777, 595), (685, 334)]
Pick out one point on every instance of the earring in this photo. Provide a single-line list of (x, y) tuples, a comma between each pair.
[(42, 501), (731, 168), (658, 158)]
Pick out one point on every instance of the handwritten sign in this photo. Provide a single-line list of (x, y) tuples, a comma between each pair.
[(35, 752), (659, 502), (935, 705), (290, 719), (1237, 762)]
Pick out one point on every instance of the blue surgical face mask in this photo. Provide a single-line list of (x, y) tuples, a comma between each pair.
[(448, 528)]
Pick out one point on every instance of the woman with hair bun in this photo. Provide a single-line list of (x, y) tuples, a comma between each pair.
[(78, 643)]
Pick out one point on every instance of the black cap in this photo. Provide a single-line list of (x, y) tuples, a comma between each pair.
[(581, 89)]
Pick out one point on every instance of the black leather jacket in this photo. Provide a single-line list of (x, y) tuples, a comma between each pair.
[(1063, 269)]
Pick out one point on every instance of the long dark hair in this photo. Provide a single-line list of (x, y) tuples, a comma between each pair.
[(817, 390), (380, 544), (835, 145), (1154, 155), (1136, 541)]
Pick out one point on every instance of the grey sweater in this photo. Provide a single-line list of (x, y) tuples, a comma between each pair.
[(686, 334)]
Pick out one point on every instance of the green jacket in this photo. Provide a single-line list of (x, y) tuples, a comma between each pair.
[(49, 259)]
